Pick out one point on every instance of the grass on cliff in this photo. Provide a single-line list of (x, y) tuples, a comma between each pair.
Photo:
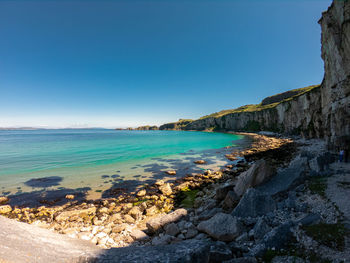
[(259, 107)]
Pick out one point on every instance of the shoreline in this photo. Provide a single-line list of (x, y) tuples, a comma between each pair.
[(163, 197), (130, 176), (252, 211)]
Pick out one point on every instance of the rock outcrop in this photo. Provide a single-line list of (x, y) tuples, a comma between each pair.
[(335, 92)]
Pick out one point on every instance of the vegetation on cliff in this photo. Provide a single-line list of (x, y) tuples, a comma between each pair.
[(278, 98)]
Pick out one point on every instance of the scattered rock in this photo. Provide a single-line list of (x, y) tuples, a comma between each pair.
[(172, 229), (161, 240), (118, 228), (223, 227), (3, 200), (152, 211), (141, 193), (5, 209), (200, 162), (191, 233), (135, 212), (166, 189), (129, 219)]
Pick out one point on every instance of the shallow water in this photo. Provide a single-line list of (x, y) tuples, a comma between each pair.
[(98, 159)]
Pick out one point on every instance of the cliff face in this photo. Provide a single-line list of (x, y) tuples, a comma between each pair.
[(300, 115), (335, 99), (323, 112)]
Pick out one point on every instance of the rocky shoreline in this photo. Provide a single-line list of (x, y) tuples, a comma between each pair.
[(267, 205), (119, 217)]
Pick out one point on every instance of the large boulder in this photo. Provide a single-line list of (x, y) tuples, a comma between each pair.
[(182, 252), (286, 178), (223, 227), (222, 190), (259, 173), (157, 223), (254, 203)]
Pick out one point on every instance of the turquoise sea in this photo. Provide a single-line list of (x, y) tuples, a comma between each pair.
[(95, 160)]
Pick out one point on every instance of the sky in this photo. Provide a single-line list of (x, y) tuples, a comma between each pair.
[(132, 62)]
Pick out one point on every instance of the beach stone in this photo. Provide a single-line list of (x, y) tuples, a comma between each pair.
[(4, 200), (70, 197), (159, 222), (5, 209), (191, 233), (258, 173), (166, 189), (135, 212), (129, 219), (220, 252), (103, 210), (223, 227), (171, 172), (119, 228), (221, 191), (71, 214), (254, 203), (161, 240), (206, 214), (152, 211), (141, 193), (200, 162), (138, 235), (172, 229)]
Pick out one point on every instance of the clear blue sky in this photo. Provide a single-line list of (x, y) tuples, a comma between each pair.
[(128, 63)]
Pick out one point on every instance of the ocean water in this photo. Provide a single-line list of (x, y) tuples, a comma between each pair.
[(96, 160)]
